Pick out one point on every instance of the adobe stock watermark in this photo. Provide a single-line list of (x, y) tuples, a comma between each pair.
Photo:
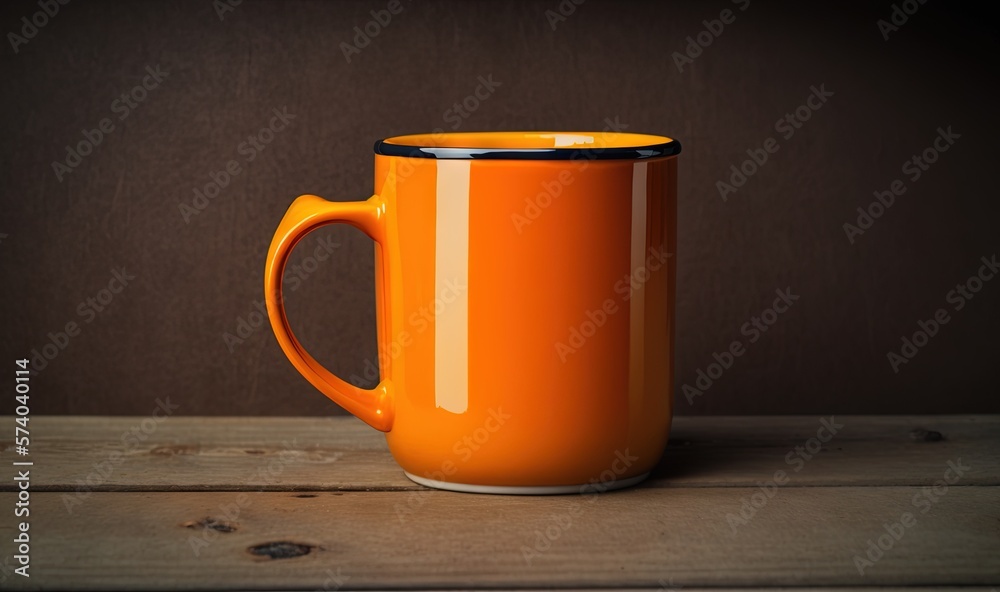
[(456, 115), (128, 441), (561, 12), (122, 107), (625, 288), (913, 168), (697, 44), (796, 458), (552, 189), (923, 501), (463, 450), (786, 127), (248, 150), (32, 24), (365, 33), (558, 524), (957, 297), (464, 109), (753, 329), (224, 7), (334, 580), (417, 323), (223, 521), (6, 569), (899, 16), (88, 311), (296, 274)]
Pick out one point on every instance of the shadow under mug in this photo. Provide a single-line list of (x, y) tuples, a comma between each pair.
[(525, 299)]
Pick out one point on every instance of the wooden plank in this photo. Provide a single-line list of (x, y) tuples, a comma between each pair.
[(192, 453), (867, 451), (666, 538), (342, 454)]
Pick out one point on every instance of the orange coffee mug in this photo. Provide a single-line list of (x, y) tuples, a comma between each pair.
[(525, 300)]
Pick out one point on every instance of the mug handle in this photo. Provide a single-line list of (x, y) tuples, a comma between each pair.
[(307, 213)]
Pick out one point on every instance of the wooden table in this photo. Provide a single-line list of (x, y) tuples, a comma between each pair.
[(318, 504)]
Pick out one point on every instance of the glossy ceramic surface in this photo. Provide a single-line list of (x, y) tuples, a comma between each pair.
[(524, 305)]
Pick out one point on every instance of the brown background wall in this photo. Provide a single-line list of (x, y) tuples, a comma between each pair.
[(163, 334)]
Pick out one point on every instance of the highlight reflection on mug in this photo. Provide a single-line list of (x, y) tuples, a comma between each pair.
[(419, 322)]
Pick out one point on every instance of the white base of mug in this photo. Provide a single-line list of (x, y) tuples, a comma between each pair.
[(527, 490)]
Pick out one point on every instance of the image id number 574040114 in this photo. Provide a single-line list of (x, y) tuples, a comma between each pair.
[(22, 470)]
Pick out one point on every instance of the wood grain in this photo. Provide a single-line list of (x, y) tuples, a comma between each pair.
[(300, 504), (438, 540), (342, 454)]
